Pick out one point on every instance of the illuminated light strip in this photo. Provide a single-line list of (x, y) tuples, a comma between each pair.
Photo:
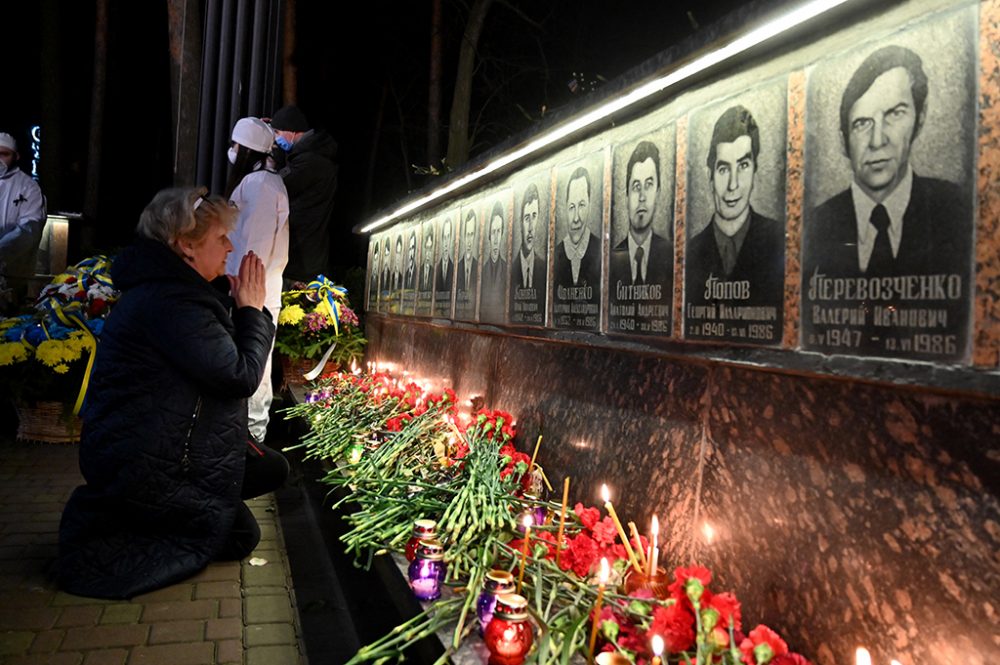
[(792, 19)]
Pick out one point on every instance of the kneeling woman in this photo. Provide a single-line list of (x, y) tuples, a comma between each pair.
[(165, 423)]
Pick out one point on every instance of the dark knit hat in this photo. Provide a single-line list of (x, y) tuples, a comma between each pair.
[(289, 119)]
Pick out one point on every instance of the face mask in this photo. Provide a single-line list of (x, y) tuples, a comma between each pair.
[(283, 143), (231, 155)]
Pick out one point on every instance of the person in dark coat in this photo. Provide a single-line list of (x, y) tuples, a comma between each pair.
[(310, 175), (164, 446)]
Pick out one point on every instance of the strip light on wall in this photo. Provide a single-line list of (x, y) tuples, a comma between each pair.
[(769, 30)]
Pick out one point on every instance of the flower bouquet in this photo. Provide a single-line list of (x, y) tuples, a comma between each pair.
[(405, 454), (317, 319), (45, 355)]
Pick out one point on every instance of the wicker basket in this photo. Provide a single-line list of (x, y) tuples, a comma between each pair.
[(293, 369), (48, 422)]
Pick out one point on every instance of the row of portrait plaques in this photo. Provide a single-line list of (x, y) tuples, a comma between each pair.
[(588, 242)]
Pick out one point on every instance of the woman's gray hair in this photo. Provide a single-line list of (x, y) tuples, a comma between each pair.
[(184, 212)]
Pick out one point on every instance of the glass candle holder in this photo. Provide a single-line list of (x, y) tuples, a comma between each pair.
[(658, 583), (496, 583), (426, 571), (508, 635), (422, 530)]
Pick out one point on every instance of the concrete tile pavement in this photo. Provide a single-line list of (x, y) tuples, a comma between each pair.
[(238, 613)]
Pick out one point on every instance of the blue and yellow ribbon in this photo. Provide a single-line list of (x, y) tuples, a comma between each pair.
[(327, 293)]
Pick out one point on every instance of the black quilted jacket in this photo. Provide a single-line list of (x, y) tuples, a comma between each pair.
[(164, 433)]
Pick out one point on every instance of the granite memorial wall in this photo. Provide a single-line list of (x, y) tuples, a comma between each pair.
[(765, 309)]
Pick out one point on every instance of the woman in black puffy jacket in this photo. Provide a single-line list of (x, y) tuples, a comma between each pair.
[(165, 421)]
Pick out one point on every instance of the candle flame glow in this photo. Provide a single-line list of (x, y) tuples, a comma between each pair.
[(862, 657), (895, 662), (655, 528), (657, 645), (709, 532), (605, 571), (527, 521), (605, 493)]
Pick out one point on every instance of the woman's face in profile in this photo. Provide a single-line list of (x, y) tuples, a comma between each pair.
[(210, 253)]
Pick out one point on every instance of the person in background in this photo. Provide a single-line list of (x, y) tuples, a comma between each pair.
[(262, 227), (163, 445), (310, 175), (22, 217)]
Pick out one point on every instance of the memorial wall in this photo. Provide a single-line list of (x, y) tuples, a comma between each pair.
[(765, 307)]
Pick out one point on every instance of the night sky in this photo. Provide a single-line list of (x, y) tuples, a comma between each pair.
[(533, 56)]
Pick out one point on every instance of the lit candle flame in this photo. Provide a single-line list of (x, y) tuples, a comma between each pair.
[(605, 493), (862, 657), (895, 662), (655, 528), (657, 645), (605, 571), (527, 522)]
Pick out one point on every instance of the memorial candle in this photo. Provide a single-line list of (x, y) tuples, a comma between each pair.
[(606, 496), (524, 551), (562, 520), (596, 619), (657, 649), (634, 530), (862, 657)]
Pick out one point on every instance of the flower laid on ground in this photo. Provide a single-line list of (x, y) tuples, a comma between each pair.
[(44, 354), (411, 456), (313, 317)]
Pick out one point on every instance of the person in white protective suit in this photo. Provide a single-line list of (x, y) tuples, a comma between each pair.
[(22, 217), (262, 227)]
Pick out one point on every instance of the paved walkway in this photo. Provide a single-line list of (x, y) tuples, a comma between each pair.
[(231, 613)]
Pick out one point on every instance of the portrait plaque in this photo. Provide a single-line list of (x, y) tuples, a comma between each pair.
[(641, 263), (734, 260), (578, 254), (411, 248), (495, 258), (444, 265), (467, 267), (427, 250), (889, 175), (530, 239), (385, 281), (374, 254)]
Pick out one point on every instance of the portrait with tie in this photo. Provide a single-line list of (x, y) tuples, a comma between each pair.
[(444, 264), (374, 254), (396, 277), (734, 260), (641, 264), (529, 266), (409, 292), (425, 278), (493, 291), (579, 228), (467, 270), (385, 284), (888, 224)]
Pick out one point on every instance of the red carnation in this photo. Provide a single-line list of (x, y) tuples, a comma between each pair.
[(682, 575), (727, 606), (580, 556), (762, 645), (675, 624), (791, 659), (588, 516), (605, 531)]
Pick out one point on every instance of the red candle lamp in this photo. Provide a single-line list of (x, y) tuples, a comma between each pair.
[(422, 530), (508, 635)]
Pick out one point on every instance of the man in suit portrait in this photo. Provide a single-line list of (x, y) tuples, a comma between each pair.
[(528, 270), (410, 276), (642, 257), (467, 264), (373, 283), (386, 264), (578, 255), (890, 220), (426, 282), (397, 266), (739, 246), (444, 275), (494, 269)]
